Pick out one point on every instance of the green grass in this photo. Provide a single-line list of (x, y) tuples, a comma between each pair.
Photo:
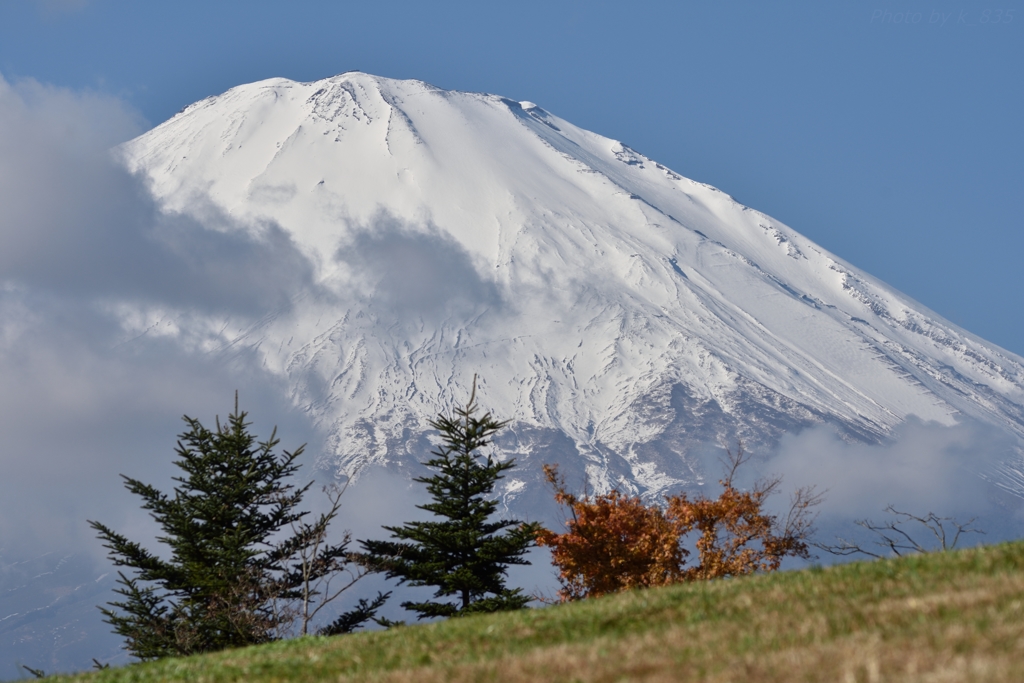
[(955, 616)]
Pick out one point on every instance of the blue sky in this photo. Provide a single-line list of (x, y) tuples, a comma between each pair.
[(889, 132)]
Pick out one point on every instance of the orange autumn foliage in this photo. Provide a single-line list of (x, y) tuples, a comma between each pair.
[(615, 542)]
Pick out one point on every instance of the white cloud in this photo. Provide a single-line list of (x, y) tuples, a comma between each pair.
[(925, 467), (84, 398), (409, 272), (75, 222)]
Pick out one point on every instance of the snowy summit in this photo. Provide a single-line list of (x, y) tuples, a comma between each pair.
[(618, 313)]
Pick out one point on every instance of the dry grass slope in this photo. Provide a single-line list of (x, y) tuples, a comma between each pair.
[(955, 616)]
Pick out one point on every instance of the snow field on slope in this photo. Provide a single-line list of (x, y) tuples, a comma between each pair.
[(590, 278)]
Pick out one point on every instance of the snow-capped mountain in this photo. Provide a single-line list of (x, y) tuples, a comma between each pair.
[(619, 314)]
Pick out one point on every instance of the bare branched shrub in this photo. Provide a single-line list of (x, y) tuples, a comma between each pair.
[(894, 535), (323, 572)]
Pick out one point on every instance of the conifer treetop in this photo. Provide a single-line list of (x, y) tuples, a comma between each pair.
[(463, 553)]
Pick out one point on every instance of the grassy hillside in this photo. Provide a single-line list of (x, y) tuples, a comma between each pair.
[(944, 617)]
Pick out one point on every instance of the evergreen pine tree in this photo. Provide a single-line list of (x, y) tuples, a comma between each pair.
[(462, 554), (232, 577)]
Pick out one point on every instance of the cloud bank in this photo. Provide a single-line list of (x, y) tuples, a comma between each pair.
[(82, 245), (95, 372), (408, 272), (74, 222), (925, 467)]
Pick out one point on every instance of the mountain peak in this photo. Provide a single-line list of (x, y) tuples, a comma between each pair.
[(615, 309)]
